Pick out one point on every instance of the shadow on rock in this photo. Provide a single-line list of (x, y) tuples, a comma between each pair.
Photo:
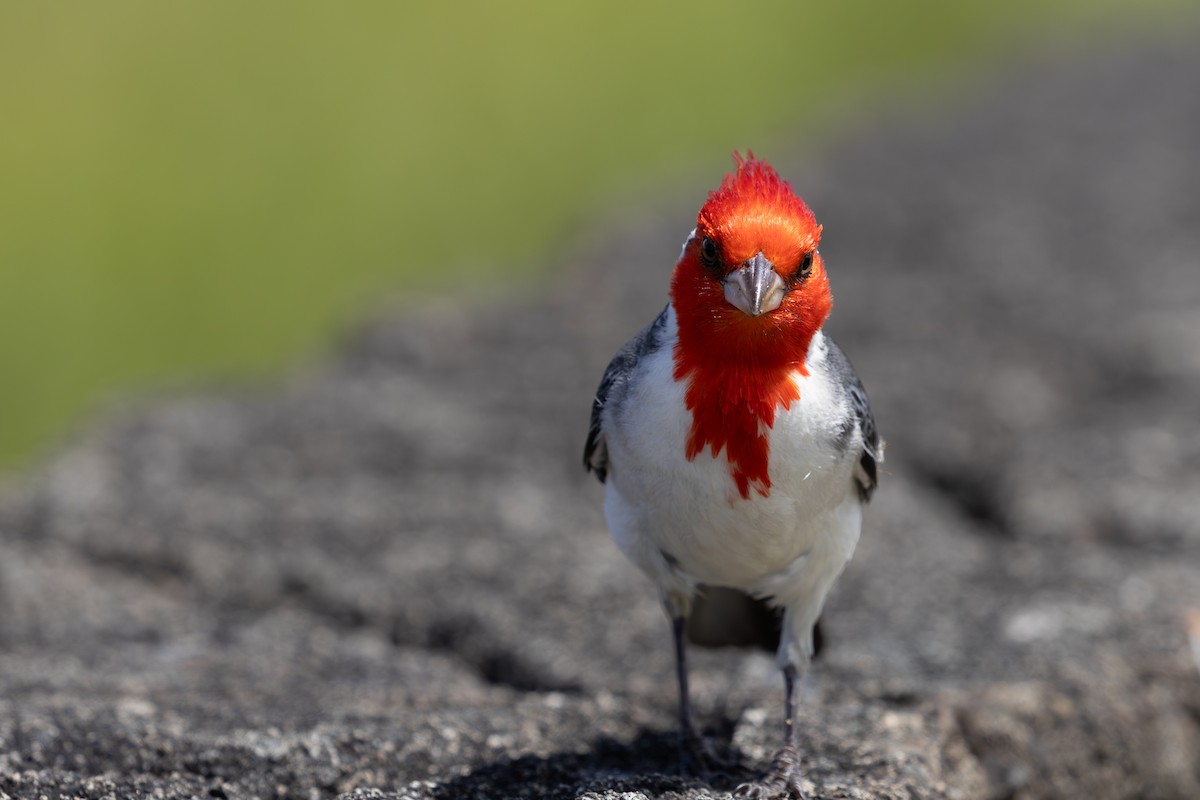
[(648, 764)]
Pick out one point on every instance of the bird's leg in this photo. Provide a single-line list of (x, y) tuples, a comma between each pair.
[(696, 756), (783, 779)]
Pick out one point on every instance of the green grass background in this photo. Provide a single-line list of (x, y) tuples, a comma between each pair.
[(193, 190)]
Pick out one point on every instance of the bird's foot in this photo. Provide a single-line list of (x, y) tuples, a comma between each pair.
[(783, 780), (698, 758)]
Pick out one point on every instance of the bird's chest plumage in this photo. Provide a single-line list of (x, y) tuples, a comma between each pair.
[(690, 505)]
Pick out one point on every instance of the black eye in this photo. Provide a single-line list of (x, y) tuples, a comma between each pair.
[(805, 268), (708, 252)]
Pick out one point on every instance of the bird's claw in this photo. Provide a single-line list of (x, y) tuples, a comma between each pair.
[(783, 780)]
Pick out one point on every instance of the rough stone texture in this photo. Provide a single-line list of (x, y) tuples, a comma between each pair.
[(391, 578)]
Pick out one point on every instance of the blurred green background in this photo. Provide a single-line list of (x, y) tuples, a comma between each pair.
[(193, 191)]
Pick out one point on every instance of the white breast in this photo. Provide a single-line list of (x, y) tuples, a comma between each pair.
[(684, 521)]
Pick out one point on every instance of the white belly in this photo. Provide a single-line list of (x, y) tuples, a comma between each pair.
[(660, 505)]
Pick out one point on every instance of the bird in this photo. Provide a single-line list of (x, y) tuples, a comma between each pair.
[(737, 446)]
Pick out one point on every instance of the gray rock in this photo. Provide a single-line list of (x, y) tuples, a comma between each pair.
[(389, 578)]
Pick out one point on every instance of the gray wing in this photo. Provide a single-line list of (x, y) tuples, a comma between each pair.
[(867, 473), (612, 390)]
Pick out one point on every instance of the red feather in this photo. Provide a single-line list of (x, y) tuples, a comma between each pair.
[(739, 368)]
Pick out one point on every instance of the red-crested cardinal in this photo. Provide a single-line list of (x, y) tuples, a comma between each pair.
[(736, 443)]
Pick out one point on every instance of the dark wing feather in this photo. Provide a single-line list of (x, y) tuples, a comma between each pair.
[(612, 390), (872, 454)]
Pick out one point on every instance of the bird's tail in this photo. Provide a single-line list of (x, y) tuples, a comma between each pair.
[(724, 617)]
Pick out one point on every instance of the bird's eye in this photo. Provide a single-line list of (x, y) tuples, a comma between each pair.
[(708, 252), (805, 268)]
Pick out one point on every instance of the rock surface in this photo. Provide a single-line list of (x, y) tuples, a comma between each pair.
[(391, 577)]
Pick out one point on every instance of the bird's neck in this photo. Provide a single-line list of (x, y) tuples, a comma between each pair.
[(739, 372)]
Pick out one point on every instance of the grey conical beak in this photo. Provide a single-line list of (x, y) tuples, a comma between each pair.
[(755, 287)]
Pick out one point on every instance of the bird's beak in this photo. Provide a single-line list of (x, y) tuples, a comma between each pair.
[(755, 287)]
